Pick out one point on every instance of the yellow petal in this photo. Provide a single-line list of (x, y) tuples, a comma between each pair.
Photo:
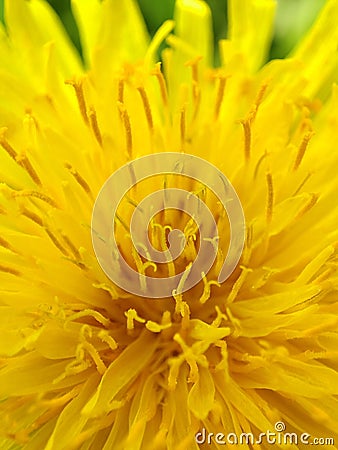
[(120, 373), (242, 402), (33, 24), (201, 395), (70, 422), (251, 28), (88, 15), (111, 33), (318, 50), (193, 39), (194, 29), (20, 376)]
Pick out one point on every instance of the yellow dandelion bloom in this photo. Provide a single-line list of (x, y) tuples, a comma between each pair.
[(88, 365)]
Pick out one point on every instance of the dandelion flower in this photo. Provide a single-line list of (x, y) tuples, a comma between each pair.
[(84, 364)]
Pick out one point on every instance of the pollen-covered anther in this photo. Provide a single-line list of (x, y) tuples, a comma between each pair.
[(132, 316), (270, 197), (95, 125), (196, 90), (89, 313), (183, 127), (236, 287), (193, 356), (94, 354), (10, 270), (302, 149), (5, 244), (120, 90), (56, 242), (76, 366), (24, 162), (258, 100), (246, 124), (159, 327), (35, 194), (220, 95), (310, 203), (157, 72), (32, 216), (147, 107), (21, 160), (127, 127), (105, 337), (79, 178), (78, 88), (207, 288)]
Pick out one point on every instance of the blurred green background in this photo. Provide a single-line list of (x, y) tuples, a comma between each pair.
[(294, 17)]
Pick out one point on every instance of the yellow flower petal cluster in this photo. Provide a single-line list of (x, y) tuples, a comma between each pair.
[(85, 365)]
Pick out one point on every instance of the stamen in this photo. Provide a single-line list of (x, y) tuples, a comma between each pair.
[(247, 252), (62, 400), (105, 336), (120, 96), (92, 313), (5, 145), (308, 205), (101, 368), (220, 316), (220, 96), (78, 263), (302, 184), (94, 125), (78, 88), (39, 195), (193, 64), (259, 99), (183, 128), (207, 288), (246, 123), (23, 161), (71, 246), (55, 241), (82, 182), (270, 198), (162, 83), (223, 365), (165, 324), (302, 149), (76, 366), (126, 123), (10, 270), (179, 307), (237, 285), (163, 243), (147, 108), (235, 322), (196, 91), (7, 245), (122, 222), (132, 316), (193, 356), (258, 165), (32, 216), (197, 98), (174, 364)]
